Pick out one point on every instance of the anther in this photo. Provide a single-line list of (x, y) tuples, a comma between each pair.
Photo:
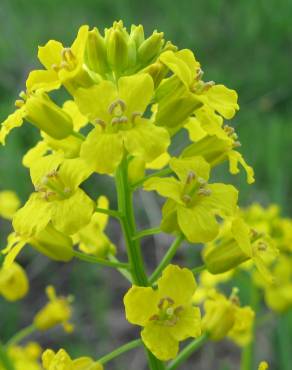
[(118, 120), (208, 85), (237, 144), (67, 54), (200, 74), (202, 181), (100, 122), (135, 115), (186, 198), (191, 176), (115, 104), (262, 246), (204, 192)]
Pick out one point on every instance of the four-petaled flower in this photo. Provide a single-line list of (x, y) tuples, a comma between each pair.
[(166, 313)]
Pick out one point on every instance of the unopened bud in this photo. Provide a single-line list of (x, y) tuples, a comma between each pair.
[(150, 47), (137, 34), (224, 257), (53, 244), (43, 113), (96, 54), (117, 48)]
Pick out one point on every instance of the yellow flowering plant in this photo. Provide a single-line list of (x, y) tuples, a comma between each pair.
[(130, 96)]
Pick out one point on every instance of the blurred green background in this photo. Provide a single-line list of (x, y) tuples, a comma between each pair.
[(245, 45)]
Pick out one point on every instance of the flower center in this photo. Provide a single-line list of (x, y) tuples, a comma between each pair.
[(168, 314), (194, 188), (52, 187), (68, 61), (119, 120)]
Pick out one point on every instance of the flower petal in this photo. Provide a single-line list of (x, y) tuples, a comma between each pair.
[(73, 213), (47, 80), (168, 187), (223, 199), (183, 166), (188, 324), (141, 303), (223, 100), (146, 140), (178, 284), (50, 54), (94, 102), (136, 91), (198, 224), (158, 340), (102, 151)]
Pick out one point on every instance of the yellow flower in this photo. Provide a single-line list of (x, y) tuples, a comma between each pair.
[(25, 357), (63, 65), (167, 313), (278, 296), (119, 123), (14, 283), (58, 197), (263, 366), (224, 317), (193, 203), (62, 361), (57, 311), (39, 110), (9, 204), (91, 239)]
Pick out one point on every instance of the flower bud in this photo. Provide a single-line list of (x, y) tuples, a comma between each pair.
[(13, 282), (96, 54), (173, 112), (117, 47), (53, 244), (43, 113), (137, 34), (150, 48), (219, 317), (224, 257)]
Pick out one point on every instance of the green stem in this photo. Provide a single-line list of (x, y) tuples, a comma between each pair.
[(147, 232), (22, 334), (109, 212), (187, 351), (166, 171), (122, 271), (127, 220), (5, 360), (119, 351), (100, 261), (247, 354), (198, 269), (167, 258)]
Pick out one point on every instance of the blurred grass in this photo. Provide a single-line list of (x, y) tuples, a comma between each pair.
[(245, 45)]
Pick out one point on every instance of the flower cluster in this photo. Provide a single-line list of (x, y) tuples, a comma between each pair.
[(130, 98)]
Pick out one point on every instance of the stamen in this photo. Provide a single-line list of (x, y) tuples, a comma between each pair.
[(100, 122), (186, 198), (204, 192), (117, 103), (135, 115), (237, 144), (191, 176), (19, 103), (118, 120)]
